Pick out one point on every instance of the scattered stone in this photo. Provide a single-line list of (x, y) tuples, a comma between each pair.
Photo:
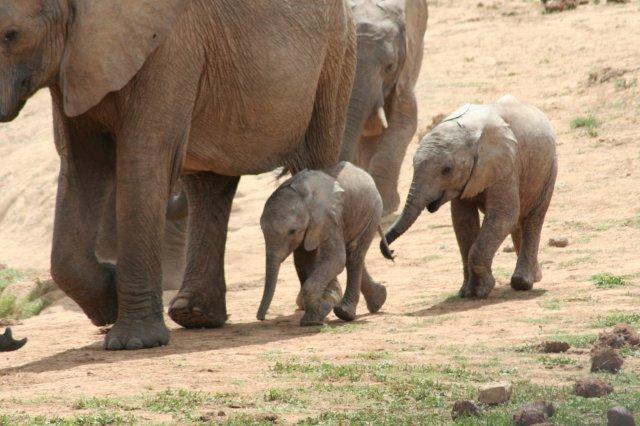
[(560, 242), (559, 5), (221, 413), (605, 74), (464, 408), (534, 413), (509, 248), (480, 4), (606, 359), (592, 388), (495, 393), (622, 335), (620, 416), (554, 347)]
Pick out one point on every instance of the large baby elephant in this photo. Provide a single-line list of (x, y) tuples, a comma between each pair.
[(499, 158), (326, 218), (383, 112)]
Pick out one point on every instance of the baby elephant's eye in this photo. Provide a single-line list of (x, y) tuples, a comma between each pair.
[(291, 231), (10, 36), (446, 170)]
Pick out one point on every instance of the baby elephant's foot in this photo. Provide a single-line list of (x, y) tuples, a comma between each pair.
[(521, 282), (345, 311), (375, 296), (315, 314)]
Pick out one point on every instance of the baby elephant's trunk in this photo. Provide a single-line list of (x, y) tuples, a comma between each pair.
[(8, 344), (271, 278), (384, 245)]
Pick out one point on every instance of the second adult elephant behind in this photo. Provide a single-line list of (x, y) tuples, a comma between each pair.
[(383, 111)]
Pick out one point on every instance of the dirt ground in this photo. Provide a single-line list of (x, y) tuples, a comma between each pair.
[(275, 370)]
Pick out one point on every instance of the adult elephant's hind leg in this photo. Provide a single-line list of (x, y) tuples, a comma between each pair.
[(201, 301)]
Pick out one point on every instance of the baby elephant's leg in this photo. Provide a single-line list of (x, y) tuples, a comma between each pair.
[(346, 310), (374, 294), (466, 224), (316, 289), (528, 269), (304, 262)]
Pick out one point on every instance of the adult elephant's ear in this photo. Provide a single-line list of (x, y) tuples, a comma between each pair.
[(108, 41), (496, 157)]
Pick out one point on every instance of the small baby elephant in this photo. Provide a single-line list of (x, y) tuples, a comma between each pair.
[(499, 158), (327, 218)]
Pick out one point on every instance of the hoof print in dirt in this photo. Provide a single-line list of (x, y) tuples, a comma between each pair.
[(464, 408), (621, 336), (560, 242), (620, 416), (534, 413), (606, 359), (554, 347), (495, 393), (593, 388)]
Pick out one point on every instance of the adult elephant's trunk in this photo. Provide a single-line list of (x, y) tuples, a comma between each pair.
[(413, 207), (367, 100), (271, 278), (8, 343)]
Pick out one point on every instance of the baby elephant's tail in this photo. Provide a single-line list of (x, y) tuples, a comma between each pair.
[(384, 246)]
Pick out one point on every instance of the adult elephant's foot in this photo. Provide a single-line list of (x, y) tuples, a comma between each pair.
[(479, 288), (192, 310), (521, 282), (133, 334), (345, 311), (375, 295), (317, 313), (466, 291)]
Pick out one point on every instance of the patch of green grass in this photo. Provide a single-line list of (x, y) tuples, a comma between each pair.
[(283, 396), (606, 280), (91, 419), (589, 123), (31, 308), (610, 320), (576, 341), (375, 355), (6, 305), (9, 276), (552, 305), (100, 403), (575, 262), (554, 361), (183, 403), (339, 329)]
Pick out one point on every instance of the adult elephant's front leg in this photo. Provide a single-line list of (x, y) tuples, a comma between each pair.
[(201, 301)]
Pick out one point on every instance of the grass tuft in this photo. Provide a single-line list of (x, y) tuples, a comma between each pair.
[(589, 123)]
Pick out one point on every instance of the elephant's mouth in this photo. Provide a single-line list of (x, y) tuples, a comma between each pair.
[(435, 205)]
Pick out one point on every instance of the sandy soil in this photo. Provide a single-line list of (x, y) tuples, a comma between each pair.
[(474, 53)]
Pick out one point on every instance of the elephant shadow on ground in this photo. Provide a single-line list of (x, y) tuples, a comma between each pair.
[(456, 304), (183, 341)]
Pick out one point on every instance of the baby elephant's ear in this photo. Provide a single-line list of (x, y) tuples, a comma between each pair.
[(325, 209), (497, 147)]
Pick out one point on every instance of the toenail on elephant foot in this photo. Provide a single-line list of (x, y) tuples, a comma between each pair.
[(345, 312), (466, 291), (520, 283), (192, 312), (133, 334), (375, 297)]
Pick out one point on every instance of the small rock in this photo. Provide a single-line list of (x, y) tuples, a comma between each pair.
[(509, 248), (592, 388), (559, 242), (495, 393), (620, 416), (554, 347), (560, 5), (221, 413), (606, 359), (464, 408), (534, 413)]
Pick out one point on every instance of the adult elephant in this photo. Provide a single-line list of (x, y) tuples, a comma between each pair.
[(146, 90), (383, 112)]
